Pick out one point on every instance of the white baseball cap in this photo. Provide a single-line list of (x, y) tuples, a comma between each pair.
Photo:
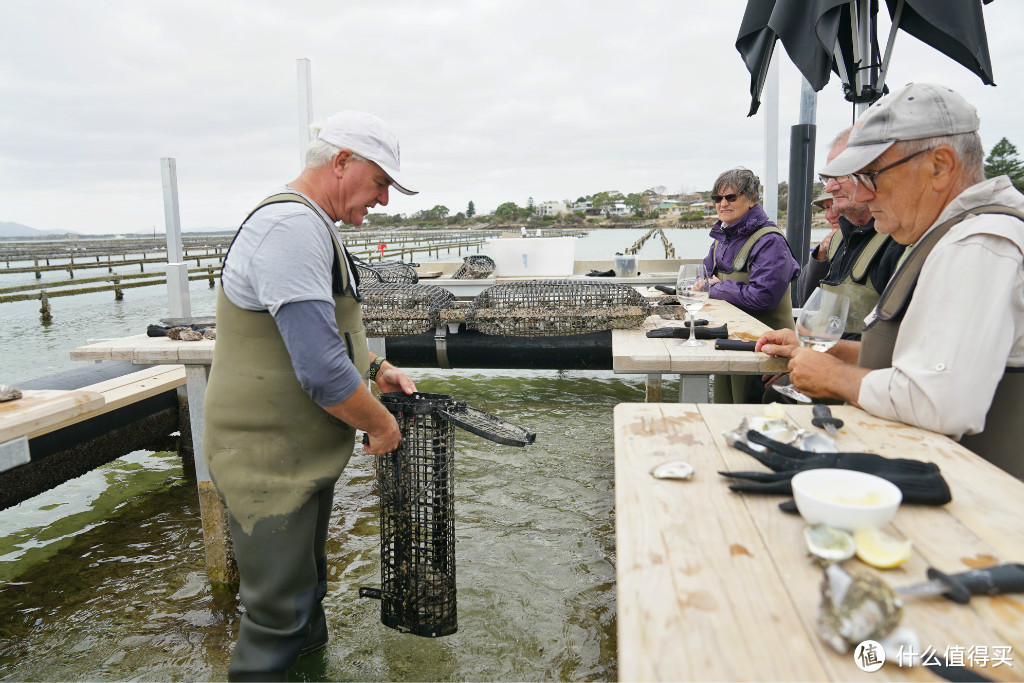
[(369, 137), (915, 111)]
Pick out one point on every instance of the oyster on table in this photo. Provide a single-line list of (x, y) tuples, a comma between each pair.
[(9, 393), (855, 608)]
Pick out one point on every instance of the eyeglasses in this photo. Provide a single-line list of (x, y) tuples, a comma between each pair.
[(868, 179), (717, 198), (838, 178)]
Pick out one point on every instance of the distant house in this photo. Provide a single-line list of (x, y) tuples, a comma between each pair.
[(617, 209), (550, 208), (703, 206), (583, 207)]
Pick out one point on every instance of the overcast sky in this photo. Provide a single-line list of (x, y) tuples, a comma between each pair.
[(493, 100)]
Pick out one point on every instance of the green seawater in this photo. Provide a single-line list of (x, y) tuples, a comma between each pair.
[(104, 577)]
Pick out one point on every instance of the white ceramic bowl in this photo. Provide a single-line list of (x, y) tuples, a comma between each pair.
[(845, 499)]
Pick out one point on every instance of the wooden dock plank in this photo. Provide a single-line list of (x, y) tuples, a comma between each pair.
[(42, 410)]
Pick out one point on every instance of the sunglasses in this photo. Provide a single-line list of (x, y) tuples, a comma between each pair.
[(717, 198)]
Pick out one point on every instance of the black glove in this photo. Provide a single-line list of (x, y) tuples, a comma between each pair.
[(684, 332), (920, 482), (601, 273)]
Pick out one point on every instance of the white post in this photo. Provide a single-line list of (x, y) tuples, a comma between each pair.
[(305, 107), (770, 177), (177, 270)]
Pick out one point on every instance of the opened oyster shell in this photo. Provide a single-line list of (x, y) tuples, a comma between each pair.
[(778, 428), (855, 608)]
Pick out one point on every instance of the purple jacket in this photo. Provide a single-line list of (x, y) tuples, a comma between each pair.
[(771, 263)]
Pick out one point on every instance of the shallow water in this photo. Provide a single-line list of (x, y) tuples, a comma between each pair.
[(104, 577)]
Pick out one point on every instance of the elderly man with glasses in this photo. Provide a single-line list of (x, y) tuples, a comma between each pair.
[(944, 347), (858, 261)]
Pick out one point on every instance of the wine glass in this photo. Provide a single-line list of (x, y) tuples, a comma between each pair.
[(819, 326), (691, 276)]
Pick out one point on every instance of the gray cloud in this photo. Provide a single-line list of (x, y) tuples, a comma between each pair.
[(494, 101)]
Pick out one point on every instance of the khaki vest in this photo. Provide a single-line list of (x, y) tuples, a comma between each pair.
[(856, 285), (1004, 428), (777, 318), (268, 445), (730, 388)]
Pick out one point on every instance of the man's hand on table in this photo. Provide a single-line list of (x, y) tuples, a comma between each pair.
[(822, 375), (777, 343)]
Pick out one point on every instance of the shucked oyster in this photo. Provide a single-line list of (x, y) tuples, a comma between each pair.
[(778, 428), (855, 608)]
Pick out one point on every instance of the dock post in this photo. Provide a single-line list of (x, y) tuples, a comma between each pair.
[(220, 553), (177, 270)]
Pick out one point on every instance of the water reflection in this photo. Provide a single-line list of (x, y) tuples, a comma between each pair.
[(126, 598)]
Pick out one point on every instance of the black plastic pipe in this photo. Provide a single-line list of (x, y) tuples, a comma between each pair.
[(472, 349)]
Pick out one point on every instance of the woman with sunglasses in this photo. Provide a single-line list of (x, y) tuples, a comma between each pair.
[(751, 266)]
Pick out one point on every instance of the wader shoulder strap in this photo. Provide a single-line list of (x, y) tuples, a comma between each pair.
[(340, 274), (867, 255), (740, 262), (833, 245), (900, 289)]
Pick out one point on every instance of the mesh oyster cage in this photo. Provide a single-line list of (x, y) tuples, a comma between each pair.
[(474, 267), (395, 272), (395, 310), (417, 510), (546, 308)]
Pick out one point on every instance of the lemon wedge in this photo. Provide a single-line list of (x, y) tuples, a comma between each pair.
[(879, 549)]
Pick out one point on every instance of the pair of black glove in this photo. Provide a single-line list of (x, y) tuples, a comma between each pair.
[(920, 482)]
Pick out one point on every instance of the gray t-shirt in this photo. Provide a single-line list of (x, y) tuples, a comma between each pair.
[(282, 262), (282, 254)]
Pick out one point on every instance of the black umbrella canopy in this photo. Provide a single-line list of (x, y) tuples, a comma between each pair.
[(812, 30)]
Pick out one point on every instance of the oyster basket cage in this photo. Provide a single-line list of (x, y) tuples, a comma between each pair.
[(474, 268), (395, 272), (395, 310), (539, 308), (417, 510)]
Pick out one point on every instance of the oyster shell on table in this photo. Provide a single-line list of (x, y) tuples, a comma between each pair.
[(855, 608), (9, 393), (828, 543), (184, 334), (778, 428)]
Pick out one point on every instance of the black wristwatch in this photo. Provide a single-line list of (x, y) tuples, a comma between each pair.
[(371, 374)]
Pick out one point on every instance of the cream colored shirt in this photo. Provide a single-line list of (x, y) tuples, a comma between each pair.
[(964, 325)]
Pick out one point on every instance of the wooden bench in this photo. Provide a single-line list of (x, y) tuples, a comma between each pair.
[(43, 411)]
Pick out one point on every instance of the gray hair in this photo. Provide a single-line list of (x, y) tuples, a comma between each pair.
[(967, 147), (841, 138), (320, 152), (743, 180)]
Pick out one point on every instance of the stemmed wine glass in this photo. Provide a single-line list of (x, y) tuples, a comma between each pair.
[(819, 326), (691, 276)]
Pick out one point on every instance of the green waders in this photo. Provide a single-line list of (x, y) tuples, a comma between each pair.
[(748, 388), (856, 285), (274, 456), (1004, 429)]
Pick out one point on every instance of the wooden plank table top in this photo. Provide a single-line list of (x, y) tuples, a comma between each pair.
[(39, 411), (634, 352), (144, 350), (716, 585)]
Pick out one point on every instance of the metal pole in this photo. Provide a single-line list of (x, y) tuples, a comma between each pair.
[(177, 271), (801, 169), (304, 75), (770, 176)]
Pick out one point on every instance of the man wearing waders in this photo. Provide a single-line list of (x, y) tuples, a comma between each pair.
[(944, 347), (286, 391)]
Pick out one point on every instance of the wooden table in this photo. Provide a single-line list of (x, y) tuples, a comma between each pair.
[(634, 353), (196, 356), (715, 585)]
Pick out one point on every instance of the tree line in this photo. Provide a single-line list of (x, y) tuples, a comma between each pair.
[(1003, 159)]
